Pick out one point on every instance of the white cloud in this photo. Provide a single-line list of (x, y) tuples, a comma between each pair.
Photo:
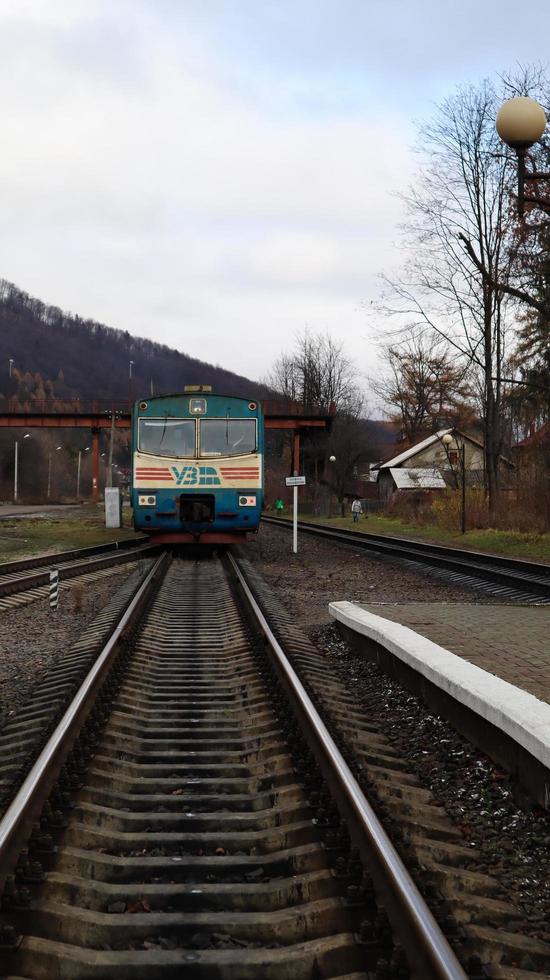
[(152, 196), (213, 176)]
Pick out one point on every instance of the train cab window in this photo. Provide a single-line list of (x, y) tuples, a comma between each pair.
[(167, 437), (227, 437)]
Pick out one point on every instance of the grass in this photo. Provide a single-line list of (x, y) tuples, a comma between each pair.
[(512, 544), (23, 537)]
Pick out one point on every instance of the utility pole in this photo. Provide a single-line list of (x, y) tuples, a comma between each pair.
[(130, 366)]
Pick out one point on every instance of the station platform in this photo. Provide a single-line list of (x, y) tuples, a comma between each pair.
[(485, 667)]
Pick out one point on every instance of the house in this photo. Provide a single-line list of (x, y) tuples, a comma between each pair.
[(432, 465)]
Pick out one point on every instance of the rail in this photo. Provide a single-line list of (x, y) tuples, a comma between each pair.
[(410, 916), (17, 822), (510, 572)]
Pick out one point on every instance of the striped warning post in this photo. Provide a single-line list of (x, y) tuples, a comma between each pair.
[(54, 588)]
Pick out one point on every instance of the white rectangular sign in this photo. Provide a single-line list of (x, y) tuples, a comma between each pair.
[(112, 507), (295, 481)]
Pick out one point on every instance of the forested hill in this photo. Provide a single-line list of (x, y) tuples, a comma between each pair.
[(61, 356)]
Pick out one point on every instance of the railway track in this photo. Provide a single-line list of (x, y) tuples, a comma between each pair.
[(506, 578), (175, 825), (35, 561), (193, 815), (24, 732), (32, 575)]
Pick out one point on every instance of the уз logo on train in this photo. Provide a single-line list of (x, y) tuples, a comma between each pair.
[(196, 476), (193, 476), (182, 476)]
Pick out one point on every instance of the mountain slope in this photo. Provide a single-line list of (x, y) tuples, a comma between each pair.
[(87, 359)]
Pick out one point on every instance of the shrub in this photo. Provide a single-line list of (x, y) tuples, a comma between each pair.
[(447, 509)]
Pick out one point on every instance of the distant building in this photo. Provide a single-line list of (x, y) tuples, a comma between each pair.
[(430, 465)]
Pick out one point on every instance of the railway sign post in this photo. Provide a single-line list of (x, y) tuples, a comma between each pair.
[(295, 482)]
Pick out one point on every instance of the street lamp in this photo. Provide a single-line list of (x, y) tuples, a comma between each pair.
[(11, 366), (447, 441), (16, 469), (520, 123), (332, 460), (80, 451)]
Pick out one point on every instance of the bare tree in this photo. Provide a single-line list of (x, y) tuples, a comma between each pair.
[(317, 372), (424, 383), (458, 219)]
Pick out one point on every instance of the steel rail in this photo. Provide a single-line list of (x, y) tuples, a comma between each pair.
[(499, 561), (410, 916), (17, 822), (525, 576), (13, 584), (37, 561)]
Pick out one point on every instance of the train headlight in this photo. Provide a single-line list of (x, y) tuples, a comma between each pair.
[(197, 406), (147, 500), (247, 501)]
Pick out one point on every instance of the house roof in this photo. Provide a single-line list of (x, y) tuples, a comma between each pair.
[(436, 437), (413, 450), (417, 478), (536, 438)]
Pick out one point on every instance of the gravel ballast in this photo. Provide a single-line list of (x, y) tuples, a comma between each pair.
[(324, 572), (33, 637)]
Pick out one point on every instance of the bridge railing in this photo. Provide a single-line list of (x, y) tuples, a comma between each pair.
[(275, 408), (73, 406)]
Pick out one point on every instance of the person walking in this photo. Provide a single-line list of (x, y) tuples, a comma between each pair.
[(356, 509), (279, 506)]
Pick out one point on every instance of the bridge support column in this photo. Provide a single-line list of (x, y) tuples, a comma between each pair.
[(95, 465), (296, 453)]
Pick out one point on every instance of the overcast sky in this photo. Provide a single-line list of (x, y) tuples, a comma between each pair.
[(219, 174)]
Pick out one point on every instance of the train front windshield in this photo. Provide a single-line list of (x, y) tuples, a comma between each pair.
[(227, 437), (167, 437), (216, 437)]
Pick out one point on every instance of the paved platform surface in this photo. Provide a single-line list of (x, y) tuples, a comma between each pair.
[(512, 642)]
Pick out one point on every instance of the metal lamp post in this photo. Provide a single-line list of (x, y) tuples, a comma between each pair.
[(16, 472), (16, 469), (447, 441), (520, 123), (80, 451), (332, 460)]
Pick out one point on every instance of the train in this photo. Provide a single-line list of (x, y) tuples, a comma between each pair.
[(197, 467)]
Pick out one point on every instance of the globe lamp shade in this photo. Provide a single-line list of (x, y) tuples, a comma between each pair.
[(520, 122)]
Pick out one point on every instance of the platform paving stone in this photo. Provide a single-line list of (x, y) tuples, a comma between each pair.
[(512, 642)]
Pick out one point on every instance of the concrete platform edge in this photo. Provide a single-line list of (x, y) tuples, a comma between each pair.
[(523, 719)]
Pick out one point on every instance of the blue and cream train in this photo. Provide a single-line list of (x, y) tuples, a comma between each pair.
[(197, 467)]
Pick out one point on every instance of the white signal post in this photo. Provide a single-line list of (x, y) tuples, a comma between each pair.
[(295, 482)]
